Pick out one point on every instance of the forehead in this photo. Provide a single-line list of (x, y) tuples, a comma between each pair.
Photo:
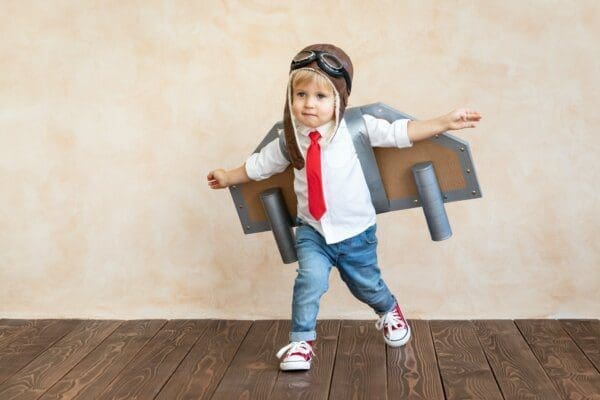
[(312, 85)]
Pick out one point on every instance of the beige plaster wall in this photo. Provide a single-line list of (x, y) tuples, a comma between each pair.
[(113, 112)]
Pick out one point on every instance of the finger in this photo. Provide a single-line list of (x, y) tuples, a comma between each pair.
[(473, 115)]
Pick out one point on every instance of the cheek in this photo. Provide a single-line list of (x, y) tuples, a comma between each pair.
[(295, 108), (329, 108)]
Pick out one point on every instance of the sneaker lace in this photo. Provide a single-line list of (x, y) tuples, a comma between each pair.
[(293, 347), (392, 319)]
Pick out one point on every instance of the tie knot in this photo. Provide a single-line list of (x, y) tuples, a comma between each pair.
[(314, 136)]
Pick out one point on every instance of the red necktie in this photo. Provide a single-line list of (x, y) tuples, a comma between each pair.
[(316, 200)]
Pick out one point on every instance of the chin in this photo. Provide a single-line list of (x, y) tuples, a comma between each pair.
[(310, 124)]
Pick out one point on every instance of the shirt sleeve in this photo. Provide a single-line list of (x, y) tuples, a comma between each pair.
[(269, 161), (384, 134)]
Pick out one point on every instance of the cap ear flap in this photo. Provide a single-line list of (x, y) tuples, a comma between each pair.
[(290, 137)]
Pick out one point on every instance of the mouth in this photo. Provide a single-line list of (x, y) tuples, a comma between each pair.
[(309, 115)]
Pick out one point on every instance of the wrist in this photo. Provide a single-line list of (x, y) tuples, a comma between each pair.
[(443, 123), (225, 178)]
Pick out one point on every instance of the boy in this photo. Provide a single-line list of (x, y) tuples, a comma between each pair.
[(336, 218)]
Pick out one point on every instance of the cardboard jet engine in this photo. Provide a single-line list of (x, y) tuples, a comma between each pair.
[(428, 174)]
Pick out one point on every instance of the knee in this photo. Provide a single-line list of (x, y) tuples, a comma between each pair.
[(310, 281), (367, 288)]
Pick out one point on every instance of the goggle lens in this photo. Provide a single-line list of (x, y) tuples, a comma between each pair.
[(332, 61), (303, 55)]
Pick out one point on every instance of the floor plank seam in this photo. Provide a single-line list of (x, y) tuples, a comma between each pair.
[(39, 354), (181, 361), (274, 385), (556, 388), (487, 360), (117, 375), (16, 334), (83, 358), (337, 345), (279, 374), (580, 349), (231, 361), (387, 384), (437, 361)]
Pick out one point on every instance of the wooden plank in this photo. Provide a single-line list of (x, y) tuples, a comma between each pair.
[(43, 372), (412, 371), (462, 363), (253, 371), (91, 376), (360, 363), (154, 364), (30, 343), (515, 367), (11, 328), (203, 368), (571, 372), (314, 383), (586, 333)]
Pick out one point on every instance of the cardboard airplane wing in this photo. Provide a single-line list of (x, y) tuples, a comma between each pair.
[(432, 172)]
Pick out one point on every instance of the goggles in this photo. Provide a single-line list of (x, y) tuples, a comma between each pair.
[(326, 61)]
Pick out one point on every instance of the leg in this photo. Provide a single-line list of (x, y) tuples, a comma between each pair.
[(359, 270), (312, 281)]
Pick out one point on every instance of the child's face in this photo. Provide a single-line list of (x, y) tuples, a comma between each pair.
[(312, 104)]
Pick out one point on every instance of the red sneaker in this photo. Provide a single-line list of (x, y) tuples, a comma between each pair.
[(396, 331), (298, 357)]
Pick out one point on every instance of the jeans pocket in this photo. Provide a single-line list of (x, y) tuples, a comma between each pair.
[(299, 233), (370, 236), (303, 234)]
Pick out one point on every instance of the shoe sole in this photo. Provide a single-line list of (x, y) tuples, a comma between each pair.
[(399, 342), (295, 366)]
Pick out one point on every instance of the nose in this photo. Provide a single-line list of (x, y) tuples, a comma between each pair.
[(310, 101)]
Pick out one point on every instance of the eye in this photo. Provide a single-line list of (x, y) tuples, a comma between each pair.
[(321, 96), (300, 94)]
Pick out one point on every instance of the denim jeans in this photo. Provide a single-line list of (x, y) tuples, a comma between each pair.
[(356, 260)]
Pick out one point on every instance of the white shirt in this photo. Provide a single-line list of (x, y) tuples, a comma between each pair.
[(347, 198)]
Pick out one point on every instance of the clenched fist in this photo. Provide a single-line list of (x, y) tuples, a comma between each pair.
[(217, 179)]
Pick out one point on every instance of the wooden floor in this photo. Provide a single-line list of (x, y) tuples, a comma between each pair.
[(224, 359)]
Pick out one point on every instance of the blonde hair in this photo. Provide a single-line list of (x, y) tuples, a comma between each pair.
[(305, 75)]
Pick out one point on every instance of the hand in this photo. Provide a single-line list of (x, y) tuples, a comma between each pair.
[(217, 179), (462, 118)]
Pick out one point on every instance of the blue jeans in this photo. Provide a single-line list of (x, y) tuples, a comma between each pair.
[(356, 260)]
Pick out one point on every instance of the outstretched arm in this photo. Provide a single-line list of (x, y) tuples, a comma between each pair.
[(458, 119), (269, 161), (220, 179)]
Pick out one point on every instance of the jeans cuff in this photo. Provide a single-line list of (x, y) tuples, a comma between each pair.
[(390, 308), (300, 336)]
